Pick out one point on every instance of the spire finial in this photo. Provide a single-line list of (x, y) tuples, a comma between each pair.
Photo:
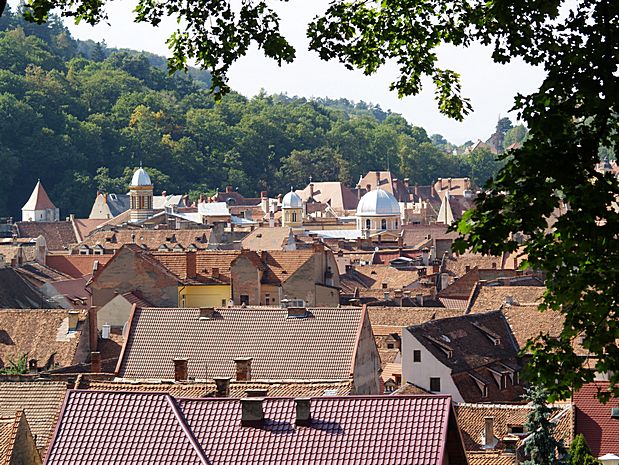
[(291, 189), (310, 178)]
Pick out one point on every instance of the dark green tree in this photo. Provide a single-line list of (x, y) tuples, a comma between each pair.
[(541, 447), (580, 454)]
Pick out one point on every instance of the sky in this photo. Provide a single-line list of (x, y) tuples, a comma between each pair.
[(491, 87)]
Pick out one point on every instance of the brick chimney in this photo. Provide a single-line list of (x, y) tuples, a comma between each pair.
[(243, 368), (181, 372), (222, 386), (33, 366), (95, 362), (191, 264), (303, 408), (263, 195), (229, 189), (377, 179), (449, 183), (317, 246), (252, 412), (311, 186), (488, 432)]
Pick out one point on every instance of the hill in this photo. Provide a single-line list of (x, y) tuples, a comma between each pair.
[(81, 117)]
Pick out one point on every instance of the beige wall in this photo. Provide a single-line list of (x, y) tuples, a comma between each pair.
[(245, 280), (126, 273), (116, 312), (308, 282), (366, 375)]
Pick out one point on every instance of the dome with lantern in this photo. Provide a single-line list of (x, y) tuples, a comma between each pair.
[(292, 200), (140, 178)]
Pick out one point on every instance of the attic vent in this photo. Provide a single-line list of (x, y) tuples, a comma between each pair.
[(206, 313), (297, 312), (614, 412)]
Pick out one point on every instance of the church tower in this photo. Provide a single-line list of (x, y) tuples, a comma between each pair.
[(292, 210), (140, 196)]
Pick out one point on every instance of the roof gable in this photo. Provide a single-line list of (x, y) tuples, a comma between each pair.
[(319, 346)]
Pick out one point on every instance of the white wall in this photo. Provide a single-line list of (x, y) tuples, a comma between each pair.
[(419, 373)]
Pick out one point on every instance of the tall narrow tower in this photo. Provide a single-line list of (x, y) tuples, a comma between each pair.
[(141, 196)]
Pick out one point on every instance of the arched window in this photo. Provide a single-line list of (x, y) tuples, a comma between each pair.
[(368, 224), (383, 224), (294, 217), (396, 224)]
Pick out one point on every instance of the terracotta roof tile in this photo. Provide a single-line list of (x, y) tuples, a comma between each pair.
[(76, 266), (594, 421), (491, 298), (283, 264), (40, 401), (319, 346), (408, 316), (266, 239), (152, 239), (206, 262), (16, 292), (377, 276), (41, 334), (410, 389), (59, 235), (237, 388), (85, 226), (8, 433), (491, 458), (153, 428), (528, 322)]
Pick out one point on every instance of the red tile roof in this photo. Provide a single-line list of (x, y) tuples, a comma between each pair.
[(281, 264), (134, 428), (76, 266), (319, 346), (594, 421), (59, 235)]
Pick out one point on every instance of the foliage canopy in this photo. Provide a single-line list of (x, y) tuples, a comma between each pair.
[(571, 118)]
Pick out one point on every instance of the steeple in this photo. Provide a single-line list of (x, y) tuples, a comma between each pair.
[(39, 207), (140, 196)]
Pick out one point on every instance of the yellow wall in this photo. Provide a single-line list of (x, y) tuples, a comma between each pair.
[(203, 296)]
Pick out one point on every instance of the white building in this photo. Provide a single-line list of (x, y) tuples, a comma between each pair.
[(378, 211), (39, 207), (292, 210)]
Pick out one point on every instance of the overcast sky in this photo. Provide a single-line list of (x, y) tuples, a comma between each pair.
[(490, 87)]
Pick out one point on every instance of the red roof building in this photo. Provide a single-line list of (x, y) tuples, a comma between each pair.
[(155, 428), (597, 422)]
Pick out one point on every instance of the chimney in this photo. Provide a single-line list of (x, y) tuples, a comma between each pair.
[(95, 362), (515, 263), (73, 320), (228, 189), (317, 246), (256, 392), (425, 256), (407, 182), (419, 299), (206, 313), (311, 186), (488, 432), (467, 268), (252, 413), (304, 415), (190, 264), (449, 183), (215, 273), (243, 368), (222, 386), (444, 280), (263, 194), (180, 369), (33, 366), (377, 179), (164, 194)]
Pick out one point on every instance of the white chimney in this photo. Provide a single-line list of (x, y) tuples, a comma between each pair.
[(105, 331), (488, 439)]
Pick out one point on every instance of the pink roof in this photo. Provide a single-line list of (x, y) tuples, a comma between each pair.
[(594, 421), (140, 428)]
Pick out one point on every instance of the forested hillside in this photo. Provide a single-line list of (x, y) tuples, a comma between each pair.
[(81, 117)]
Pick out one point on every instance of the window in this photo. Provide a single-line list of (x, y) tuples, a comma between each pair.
[(516, 429), (396, 224), (384, 285), (224, 302), (435, 384), (267, 300), (390, 345), (294, 217), (416, 356), (368, 224), (484, 390), (383, 224), (244, 299)]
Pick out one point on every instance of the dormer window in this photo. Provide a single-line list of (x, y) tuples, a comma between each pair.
[(84, 250), (491, 335)]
